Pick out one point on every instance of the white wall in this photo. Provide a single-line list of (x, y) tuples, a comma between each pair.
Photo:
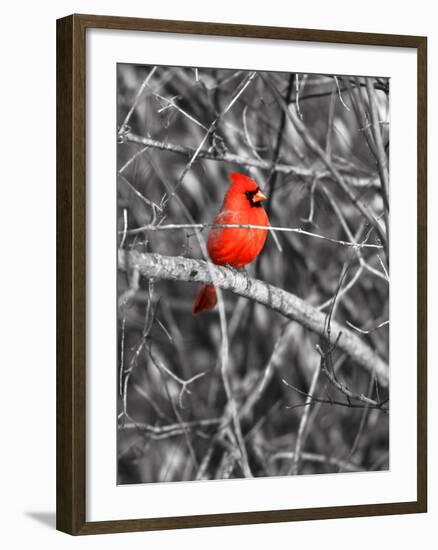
[(27, 331)]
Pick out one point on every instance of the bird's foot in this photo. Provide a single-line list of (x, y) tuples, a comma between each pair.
[(241, 270)]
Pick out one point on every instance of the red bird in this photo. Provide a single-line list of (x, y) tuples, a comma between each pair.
[(235, 247)]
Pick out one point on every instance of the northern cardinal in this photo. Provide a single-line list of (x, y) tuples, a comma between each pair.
[(235, 247)]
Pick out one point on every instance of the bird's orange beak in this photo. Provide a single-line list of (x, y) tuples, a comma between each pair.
[(259, 197)]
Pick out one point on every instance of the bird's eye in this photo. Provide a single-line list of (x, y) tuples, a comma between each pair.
[(250, 194)]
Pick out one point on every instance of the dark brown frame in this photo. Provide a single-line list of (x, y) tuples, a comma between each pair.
[(71, 231)]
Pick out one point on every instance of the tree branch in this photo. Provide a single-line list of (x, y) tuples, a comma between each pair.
[(314, 146), (186, 269), (372, 181), (382, 161)]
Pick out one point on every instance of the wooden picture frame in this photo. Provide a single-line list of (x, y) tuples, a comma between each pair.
[(71, 273)]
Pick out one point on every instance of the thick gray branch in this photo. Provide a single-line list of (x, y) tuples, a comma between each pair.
[(186, 269)]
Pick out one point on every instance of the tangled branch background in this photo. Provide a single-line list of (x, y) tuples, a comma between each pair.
[(289, 375)]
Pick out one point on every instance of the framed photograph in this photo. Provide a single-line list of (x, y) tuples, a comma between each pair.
[(241, 287)]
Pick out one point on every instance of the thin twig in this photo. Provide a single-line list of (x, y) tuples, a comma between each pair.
[(303, 424), (266, 376), (362, 331), (340, 93), (297, 95), (380, 150), (367, 182), (137, 97), (315, 147), (314, 457), (183, 383), (139, 195), (329, 401), (122, 358), (170, 430), (363, 420), (241, 88), (171, 103), (350, 235), (147, 327), (247, 136), (133, 158), (344, 389), (330, 126), (125, 227), (309, 218), (201, 226)]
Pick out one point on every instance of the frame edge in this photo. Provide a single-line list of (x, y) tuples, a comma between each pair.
[(422, 274), (70, 278), (71, 232)]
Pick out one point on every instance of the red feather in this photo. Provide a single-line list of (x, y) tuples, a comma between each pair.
[(205, 300), (235, 247)]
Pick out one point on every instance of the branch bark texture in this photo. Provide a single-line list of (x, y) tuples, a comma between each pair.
[(178, 268)]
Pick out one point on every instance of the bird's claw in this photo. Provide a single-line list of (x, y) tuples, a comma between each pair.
[(236, 269)]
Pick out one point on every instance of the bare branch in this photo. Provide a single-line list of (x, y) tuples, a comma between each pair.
[(372, 182), (310, 141), (289, 305), (369, 331), (343, 388), (169, 430), (240, 89), (380, 149), (293, 470), (340, 93), (313, 457), (201, 226), (137, 97)]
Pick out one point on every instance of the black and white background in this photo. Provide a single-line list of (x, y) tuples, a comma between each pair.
[(282, 397)]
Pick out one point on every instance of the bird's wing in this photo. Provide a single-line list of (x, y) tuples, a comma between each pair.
[(225, 244), (220, 239)]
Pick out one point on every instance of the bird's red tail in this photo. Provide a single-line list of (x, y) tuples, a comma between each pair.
[(205, 300)]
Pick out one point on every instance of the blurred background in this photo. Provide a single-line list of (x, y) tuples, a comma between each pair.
[(293, 419)]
